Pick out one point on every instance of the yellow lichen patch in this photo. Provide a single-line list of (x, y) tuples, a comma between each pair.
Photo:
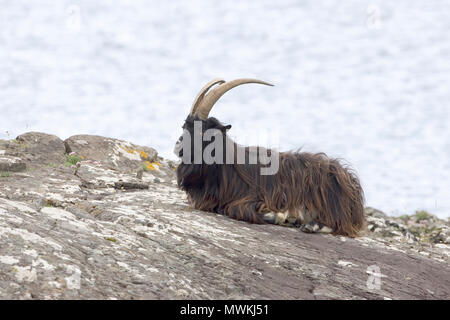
[(129, 150), (147, 165), (143, 154)]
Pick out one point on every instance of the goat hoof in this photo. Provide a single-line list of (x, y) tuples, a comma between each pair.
[(307, 228), (279, 218), (270, 218), (315, 227)]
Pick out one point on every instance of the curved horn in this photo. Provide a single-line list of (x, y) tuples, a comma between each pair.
[(202, 93), (206, 103)]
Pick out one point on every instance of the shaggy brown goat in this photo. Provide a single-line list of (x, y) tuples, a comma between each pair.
[(311, 190)]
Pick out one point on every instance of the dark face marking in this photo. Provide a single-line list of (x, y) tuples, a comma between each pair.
[(186, 140)]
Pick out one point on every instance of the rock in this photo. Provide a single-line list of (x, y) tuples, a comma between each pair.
[(112, 153), (34, 148), (420, 227), (41, 148), (372, 212), (139, 173), (130, 185), (68, 233), (12, 164)]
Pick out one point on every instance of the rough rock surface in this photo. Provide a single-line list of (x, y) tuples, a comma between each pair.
[(115, 226), (112, 153)]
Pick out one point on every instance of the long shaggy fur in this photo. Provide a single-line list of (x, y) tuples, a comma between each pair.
[(307, 186)]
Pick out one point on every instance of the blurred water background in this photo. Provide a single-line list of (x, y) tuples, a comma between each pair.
[(368, 81)]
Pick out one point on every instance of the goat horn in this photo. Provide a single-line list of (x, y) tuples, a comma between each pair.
[(202, 93), (206, 103)]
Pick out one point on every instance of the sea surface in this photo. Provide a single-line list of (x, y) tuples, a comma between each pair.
[(366, 81)]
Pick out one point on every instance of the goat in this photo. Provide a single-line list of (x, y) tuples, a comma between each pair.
[(312, 191)]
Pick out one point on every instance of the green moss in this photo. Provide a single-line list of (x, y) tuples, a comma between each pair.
[(425, 233), (422, 215), (5, 174), (111, 239), (416, 231), (21, 144), (52, 165), (71, 160)]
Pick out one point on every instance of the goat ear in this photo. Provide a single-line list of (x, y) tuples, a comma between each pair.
[(225, 128)]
